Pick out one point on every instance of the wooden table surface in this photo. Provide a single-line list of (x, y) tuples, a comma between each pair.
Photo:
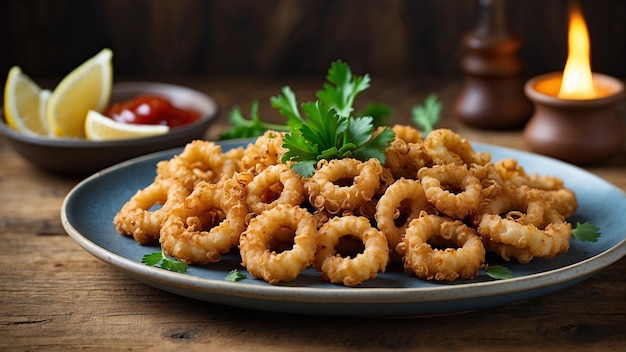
[(56, 296)]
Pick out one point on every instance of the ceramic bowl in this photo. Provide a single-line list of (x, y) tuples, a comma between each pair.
[(82, 157)]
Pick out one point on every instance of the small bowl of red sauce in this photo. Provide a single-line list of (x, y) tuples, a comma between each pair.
[(186, 111)]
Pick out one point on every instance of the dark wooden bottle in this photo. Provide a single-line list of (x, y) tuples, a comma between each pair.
[(492, 96)]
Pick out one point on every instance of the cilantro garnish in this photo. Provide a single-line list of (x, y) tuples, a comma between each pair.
[(329, 131), (335, 107), (324, 129), (327, 135), (586, 232), (234, 276), (427, 115), (287, 106), (341, 88), (248, 128), (166, 262), (498, 272)]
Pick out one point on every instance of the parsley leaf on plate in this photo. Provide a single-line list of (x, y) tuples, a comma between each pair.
[(586, 232), (498, 272), (234, 275), (166, 262), (248, 128), (152, 259)]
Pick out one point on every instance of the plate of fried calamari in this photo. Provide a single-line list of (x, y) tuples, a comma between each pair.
[(439, 226)]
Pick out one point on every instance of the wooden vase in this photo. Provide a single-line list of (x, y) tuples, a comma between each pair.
[(492, 96)]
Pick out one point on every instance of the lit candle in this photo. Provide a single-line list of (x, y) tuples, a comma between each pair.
[(577, 79), (575, 118)]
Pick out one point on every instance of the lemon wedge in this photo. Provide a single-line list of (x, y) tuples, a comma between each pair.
[(87, 87), (24, 104), (44, 96), (100, 128)]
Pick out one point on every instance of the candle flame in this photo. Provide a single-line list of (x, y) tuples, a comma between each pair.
[(577, 78)]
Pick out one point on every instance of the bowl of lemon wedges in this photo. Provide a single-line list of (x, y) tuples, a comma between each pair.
[(87, 123)]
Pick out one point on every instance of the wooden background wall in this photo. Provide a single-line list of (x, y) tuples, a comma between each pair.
[(297, 37)]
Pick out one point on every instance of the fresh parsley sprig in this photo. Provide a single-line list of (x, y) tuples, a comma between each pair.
[(586, 231), (427, 115), (234, 276), (328, 135), (341, 88), (498, 272), (287, 105), (248, 128), (339, 93), (164, 261), (326, 129)]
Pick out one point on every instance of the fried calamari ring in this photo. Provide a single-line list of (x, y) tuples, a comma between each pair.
[(463, 256), (321, 217), (265, 151), (277, 184), (367, 209), (199, 161), (350, 271), (137, 217), (489, 179), (402, 202), (519, 224), (277, 225), (564, 200), (407, 133), (507, 172), (232, 162), (453, 189), (404, 159), (204, 225), (445, 146), (513, 174), (326, 189), (522, 204)]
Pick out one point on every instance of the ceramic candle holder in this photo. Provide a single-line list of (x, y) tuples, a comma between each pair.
[(579, 131)]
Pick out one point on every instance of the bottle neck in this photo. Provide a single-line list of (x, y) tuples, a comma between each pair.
[(493, 29), (493, 19)]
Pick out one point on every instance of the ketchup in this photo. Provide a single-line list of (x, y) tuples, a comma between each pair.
[(150, 110)]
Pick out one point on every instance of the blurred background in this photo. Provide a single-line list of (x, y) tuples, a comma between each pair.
[(290, 37)]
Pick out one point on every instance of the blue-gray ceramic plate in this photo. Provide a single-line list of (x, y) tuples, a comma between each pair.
[(88, 211)]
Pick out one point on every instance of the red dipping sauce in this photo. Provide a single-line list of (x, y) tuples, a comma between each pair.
[(150, 110)]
